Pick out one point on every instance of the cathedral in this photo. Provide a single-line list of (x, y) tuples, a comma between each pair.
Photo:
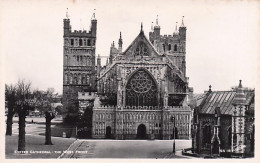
[(141, 92)]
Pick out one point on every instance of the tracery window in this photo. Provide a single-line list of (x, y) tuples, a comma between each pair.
[(141, 90), (141, 50)]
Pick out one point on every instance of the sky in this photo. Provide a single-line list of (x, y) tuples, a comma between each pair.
[(222, 44)]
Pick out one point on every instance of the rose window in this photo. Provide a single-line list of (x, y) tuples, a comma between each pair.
[(141, 90)]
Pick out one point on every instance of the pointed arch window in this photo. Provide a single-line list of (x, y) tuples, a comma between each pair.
[(83, 79), (71, 78), (66, 78), (163, 47), (79, 78), (141, 90), (80, 42), (75, 79), (234, 140), (72, 42), (89, 42), (66, 60), (175, 47), (87, 79), (169, 47)]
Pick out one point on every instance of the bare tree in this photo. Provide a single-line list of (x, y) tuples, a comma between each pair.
[(25, 102), (44, 101), (10, 97)]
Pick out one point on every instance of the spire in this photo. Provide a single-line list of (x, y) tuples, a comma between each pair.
[(141, 26), (240, 97), (80, 25), (240, 84), (156, 24), (120, 43), (67, 13), (182, 22), (210, 88), (93, 16), (176, 28)]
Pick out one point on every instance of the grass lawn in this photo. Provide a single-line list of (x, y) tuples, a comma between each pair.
[(35, 143)]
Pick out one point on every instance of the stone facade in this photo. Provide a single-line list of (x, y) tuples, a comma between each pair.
[(79, 74), (140, 89)]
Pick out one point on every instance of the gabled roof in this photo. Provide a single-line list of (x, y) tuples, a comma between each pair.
[(145, 40), (223, 100)]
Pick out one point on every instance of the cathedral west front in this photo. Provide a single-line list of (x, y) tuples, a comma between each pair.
[(141, 92)]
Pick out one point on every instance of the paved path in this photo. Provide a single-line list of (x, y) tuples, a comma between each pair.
[(125, 149)]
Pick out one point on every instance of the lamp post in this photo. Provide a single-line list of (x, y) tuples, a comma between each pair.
[(173, 121)]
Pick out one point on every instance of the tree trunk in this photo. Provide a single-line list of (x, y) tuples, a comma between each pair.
[(21, 140), (48, 117), (9, 123)]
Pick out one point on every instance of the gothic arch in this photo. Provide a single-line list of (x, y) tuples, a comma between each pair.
[(80, 42), (141, 89), (143, 69), (175, 47), (89, 42), (66, 78)]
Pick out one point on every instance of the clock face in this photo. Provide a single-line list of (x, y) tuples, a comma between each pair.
[(141, 50)]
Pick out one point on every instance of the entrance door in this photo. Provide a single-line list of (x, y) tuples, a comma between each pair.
[(108, 132), (141, 132)]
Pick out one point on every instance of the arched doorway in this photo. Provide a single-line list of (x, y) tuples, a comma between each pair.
[(108, 132), (141, 90), (141, 132)]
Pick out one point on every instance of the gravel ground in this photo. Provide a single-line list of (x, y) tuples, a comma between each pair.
[(34, 145)]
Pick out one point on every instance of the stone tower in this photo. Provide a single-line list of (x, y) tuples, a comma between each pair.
[(238, 120), (174, 46), (78, 63)]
